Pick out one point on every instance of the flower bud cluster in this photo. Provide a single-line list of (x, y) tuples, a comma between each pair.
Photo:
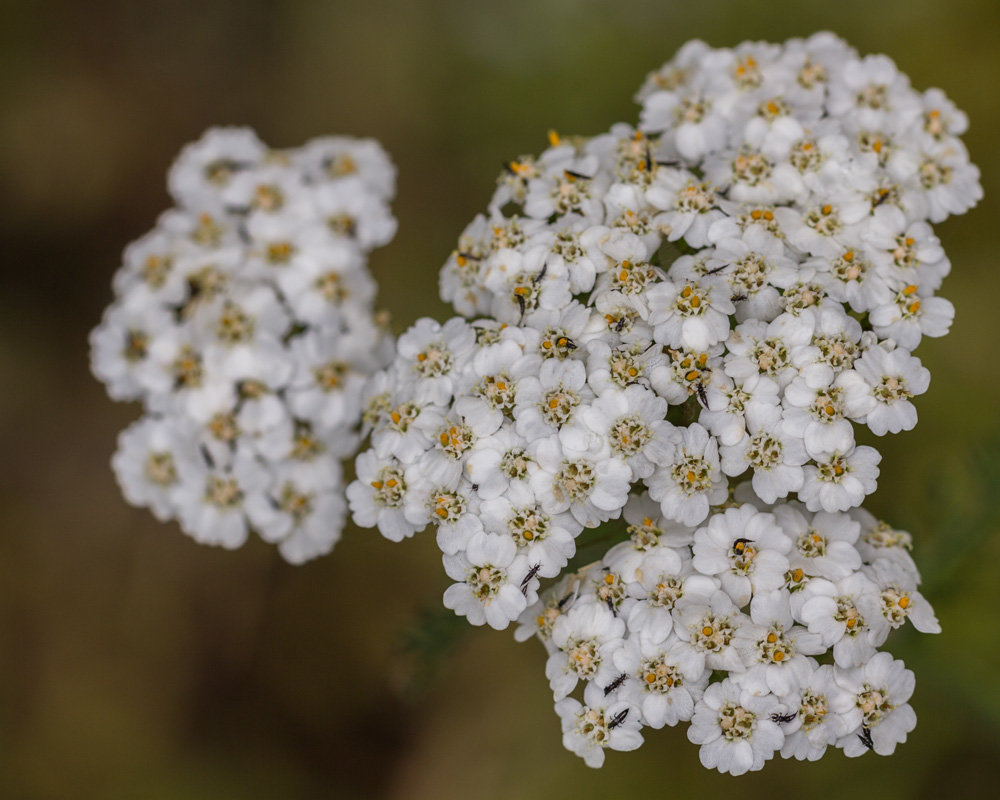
[(244, 325), (728, 289)]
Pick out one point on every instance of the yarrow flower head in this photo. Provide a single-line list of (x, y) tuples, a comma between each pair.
[(683, 323), (244, 324)]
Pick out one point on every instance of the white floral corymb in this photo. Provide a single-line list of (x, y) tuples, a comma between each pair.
[(244, 324), (684, 323)]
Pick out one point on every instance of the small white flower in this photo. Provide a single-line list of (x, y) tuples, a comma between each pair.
[(828, 224), (821, 716), (735, 729), (693, 481), (948, 183), (546, 403), (840, 481), (336, 157), (847, 615), (352, 211), (662, 578), (152, 456), (593, 490), (597, 724), (746, 549), (734, 406), (378, 496), (648, 532), (330, 374), (407, 430), (905, 252), (691, 206), (484, 593), (499, 465), (756, 348), (691, 315), (211, 162), (899, 597), (872, 90), (655, 684), (910, 315), (620, 367), (776, 457), (546, 541), (747, 264), (432, 352), (585, 637), (823, 544), (211, 501), (834, 346), (849, 276), (816, 414), (880, 540), (773, 648), (882, 717), (303, 513), (687, 374), (707, 623), (630, 424), (497, 372), (890, 379), (120, 348)]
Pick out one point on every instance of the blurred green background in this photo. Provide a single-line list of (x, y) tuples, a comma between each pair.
[(136, 664)]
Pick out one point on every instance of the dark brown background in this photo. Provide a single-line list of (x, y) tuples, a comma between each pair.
[(134, 663)]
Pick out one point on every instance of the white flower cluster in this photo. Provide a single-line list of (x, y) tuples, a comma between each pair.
[(244, 325), (727, 289), (790, 605)]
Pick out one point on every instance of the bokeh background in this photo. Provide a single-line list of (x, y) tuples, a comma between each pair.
[(136, 664)]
